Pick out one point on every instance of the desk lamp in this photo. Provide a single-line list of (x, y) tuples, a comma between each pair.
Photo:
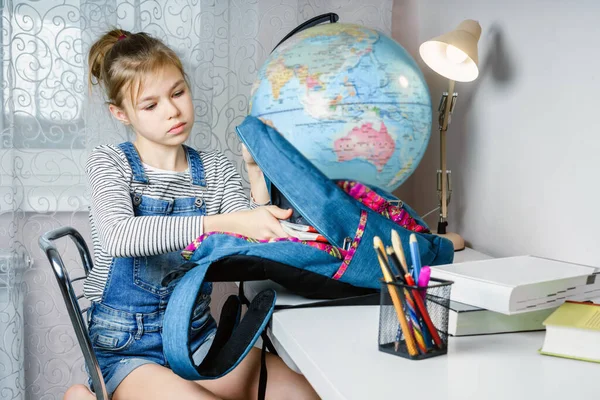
[(454, 56)]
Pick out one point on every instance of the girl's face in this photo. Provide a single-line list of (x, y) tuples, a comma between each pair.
[(163, 113)]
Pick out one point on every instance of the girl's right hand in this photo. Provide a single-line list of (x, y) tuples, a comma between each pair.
[(263, 222), (260, 223)]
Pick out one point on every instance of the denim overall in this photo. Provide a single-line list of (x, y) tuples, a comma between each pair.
[(126, 325), (323, 205)]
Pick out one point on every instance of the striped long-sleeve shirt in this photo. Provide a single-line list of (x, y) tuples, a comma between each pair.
[(116, 232)]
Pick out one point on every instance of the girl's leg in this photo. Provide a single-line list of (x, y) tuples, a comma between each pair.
[(154, 382), (242, 382), (78, 392)]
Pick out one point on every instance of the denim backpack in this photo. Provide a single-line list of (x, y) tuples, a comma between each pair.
[(346, 213)]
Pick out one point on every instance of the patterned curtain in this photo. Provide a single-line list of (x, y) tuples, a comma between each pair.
[(49, 124)]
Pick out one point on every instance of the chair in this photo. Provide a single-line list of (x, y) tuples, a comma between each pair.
[(72, 300)]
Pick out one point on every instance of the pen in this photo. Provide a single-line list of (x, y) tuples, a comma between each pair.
[(410, 341), (416, 257), (397, 269)]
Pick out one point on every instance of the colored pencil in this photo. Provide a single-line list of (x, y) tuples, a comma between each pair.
[(415, 255)]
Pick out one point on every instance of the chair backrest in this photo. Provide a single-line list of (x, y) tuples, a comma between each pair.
[(72, 300)]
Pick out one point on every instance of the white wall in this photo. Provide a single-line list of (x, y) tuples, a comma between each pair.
[(524, 143)]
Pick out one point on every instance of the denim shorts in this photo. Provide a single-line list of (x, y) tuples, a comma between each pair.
[(124, 341)]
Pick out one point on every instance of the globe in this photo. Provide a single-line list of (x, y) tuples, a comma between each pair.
[(350, 99)]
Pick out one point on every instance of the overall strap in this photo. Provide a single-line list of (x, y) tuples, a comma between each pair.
[(133, 158), (196, 168)]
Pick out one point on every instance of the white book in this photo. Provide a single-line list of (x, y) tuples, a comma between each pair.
[(466, 320), (513, 285)]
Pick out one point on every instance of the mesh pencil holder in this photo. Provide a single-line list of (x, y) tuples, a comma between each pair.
[(413, 322)]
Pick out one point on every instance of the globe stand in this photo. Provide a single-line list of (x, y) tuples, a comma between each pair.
[(444, 182)]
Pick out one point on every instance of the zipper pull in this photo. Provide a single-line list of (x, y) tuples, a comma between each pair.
[(347, 243)]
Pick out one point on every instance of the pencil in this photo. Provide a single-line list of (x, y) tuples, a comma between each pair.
[(377, 241), (416, 256), (399, 276), (410, 341), (398, 250)]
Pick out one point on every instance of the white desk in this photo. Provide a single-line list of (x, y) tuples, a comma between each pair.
[(336, 349), (337, 352)]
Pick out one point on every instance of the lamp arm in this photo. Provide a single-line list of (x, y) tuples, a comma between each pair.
[(445, 121), (443, 167)]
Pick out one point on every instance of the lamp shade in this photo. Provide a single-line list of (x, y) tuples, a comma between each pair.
[(454, 54)]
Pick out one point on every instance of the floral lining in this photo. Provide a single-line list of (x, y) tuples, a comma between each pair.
[(359, 192), (381, 206), (329, 249)]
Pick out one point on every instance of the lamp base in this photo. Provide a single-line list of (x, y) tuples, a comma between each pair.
[(457, 241)]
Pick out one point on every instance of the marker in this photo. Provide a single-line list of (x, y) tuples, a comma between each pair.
[(424, 280), (424, 276)]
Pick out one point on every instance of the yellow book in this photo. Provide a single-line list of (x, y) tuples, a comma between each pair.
[(573, 331)]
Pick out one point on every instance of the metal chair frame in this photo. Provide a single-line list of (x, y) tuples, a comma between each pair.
[(71, 299)]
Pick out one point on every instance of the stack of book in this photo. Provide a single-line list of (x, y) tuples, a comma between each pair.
[(514, 293), (466, 320)]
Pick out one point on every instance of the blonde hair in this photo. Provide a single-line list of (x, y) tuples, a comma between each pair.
[(120, 59)]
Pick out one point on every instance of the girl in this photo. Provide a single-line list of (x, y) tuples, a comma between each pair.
[(149, 199)]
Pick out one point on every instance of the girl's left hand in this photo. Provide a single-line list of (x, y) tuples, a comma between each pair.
[(247, 157)]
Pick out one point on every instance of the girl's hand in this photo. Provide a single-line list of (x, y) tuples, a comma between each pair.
[(260, 223), (263, 222), (247, 157)]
